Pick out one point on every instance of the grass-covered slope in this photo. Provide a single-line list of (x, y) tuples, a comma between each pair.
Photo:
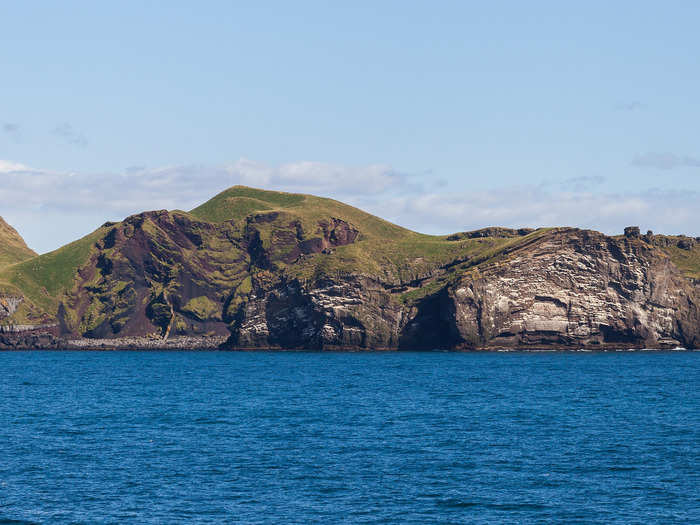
[(238, 202), (382, 249), (42, 279), (13, 249), (687, 259)]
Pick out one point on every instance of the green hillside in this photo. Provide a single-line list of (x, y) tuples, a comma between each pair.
[(238, 202), (13, 249), (43, 278), (383, 249), (687, 260)]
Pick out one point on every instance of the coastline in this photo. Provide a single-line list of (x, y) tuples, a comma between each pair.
[(44, 341)]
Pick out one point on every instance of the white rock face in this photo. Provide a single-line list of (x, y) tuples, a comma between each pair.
[(9, 305), (569, 290)]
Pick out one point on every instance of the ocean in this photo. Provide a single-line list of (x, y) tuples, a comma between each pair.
[(305, 437)]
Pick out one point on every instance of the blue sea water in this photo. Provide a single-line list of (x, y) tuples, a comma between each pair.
[(216, 437)]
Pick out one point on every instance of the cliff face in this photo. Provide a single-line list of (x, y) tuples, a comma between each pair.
[(8, 305), (301, 272), (351, 313), (577, 288), (568, 289), (154, 274), (163, 274)]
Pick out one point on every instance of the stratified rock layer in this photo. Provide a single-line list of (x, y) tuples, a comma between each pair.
[(353, 313), (577, 288), (568, 289)]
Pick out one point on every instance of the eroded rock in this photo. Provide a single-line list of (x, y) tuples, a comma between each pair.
[(569, 289)]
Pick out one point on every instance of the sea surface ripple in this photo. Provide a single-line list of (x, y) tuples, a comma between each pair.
[(302, 437)]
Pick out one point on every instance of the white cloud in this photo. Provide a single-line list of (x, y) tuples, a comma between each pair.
[(662, 211), (52, 208), (665, 161), (75, 203), (137, 189), (313, 177), (7, 166)]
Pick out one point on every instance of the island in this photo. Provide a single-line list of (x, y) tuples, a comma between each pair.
[(253, 269)]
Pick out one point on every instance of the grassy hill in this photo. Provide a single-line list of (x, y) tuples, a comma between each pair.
[(383, 249), (13, 249), (238, 202)]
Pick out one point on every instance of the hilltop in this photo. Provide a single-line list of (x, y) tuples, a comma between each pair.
[(266, 269), (12, 246)]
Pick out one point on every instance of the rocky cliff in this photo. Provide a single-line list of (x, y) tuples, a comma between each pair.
[(565, 289), (576, 288), (256, 269)]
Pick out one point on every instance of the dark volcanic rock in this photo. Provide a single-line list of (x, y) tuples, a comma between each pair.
[(356, 312), (632, 232), (163, 274), (686, 243), (493, 231), (39, 338), (156, 272)]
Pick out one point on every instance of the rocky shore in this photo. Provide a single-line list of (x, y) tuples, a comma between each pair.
[(42, 340), (144, 343)]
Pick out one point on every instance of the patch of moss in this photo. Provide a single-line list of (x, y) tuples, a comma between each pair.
[(245, 287), (239, 296), (688, 261), (159, 311), (202, 308), (92, 318)]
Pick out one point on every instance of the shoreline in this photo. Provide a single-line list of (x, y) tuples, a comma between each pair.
[(217, 344), (363, 351), (46, 340)]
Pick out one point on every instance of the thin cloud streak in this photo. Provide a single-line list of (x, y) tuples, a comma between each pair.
[(633, 105), (665, 161), (139, 188), (70, 135), (12, 130), (75, 203), (662, 211)]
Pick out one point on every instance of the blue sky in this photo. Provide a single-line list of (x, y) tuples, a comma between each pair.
[(441, 116)]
